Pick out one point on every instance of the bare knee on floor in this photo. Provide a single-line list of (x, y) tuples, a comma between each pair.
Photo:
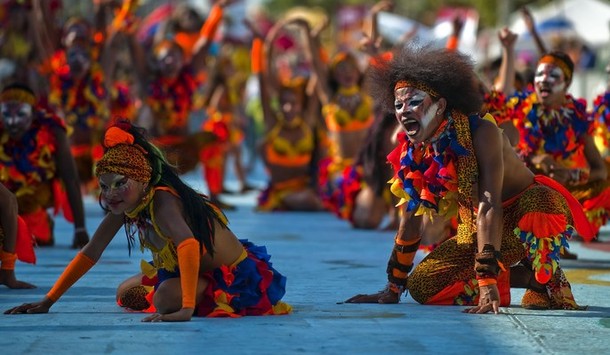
[(168, 296)]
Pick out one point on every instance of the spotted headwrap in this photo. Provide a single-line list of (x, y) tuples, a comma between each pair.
[(417, 85), (123, 157), (15, 93)]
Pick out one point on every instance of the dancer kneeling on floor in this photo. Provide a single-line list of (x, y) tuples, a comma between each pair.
[(202, 268), (454, 163)]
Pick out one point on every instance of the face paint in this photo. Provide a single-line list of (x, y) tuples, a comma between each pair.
[(119, 192), (79, 61), (346, 73), (169, 60), (550, 84), (290, 102), (417, 113), (16, 117)]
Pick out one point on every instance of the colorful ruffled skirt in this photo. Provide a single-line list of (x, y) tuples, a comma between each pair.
[(248, 287), (339, 183)]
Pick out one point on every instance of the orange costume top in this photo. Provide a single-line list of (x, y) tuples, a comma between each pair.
[(281, 151), (339, 120)]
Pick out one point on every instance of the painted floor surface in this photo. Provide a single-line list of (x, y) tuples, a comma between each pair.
[(326, 262)]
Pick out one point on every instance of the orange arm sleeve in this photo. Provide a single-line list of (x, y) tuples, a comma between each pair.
[(74, 271), (257, 56), (211, 23), (188, 262), (452, 43), (7, 260)]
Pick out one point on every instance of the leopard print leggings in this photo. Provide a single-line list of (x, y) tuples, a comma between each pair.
[(453, 262)]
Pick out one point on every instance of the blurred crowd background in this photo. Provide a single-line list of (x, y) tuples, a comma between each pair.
[(578, 27)]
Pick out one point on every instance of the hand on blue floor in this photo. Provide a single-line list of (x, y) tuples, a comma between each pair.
[(182, 315), (31, 308), (489, 300), (384, 296)]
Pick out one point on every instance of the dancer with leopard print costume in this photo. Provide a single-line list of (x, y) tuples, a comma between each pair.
[(454, 163)]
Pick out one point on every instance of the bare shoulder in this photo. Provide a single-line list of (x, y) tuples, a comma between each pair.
[(165, 201), (486, 136), (486, 128)]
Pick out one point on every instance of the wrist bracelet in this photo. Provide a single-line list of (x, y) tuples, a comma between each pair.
[(487, 282)]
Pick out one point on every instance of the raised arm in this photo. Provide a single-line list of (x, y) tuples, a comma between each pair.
[(506, 78), (531, 26), (45, 35), (454, 39), (313, 47), (373, 32), (140, 64), (506, 74), (207, 33), (258, 58)]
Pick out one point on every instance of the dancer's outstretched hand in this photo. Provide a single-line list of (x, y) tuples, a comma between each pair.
[(31, 308), (384, 296), (183, 315)]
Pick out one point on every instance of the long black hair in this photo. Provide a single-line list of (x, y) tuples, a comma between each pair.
[(199, 212)]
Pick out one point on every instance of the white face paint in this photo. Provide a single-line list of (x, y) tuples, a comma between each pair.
[(429, 117), (550, 84), (16, 117), (416, 112)]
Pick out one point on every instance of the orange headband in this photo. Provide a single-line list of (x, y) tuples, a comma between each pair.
[(123, 157), (549, 59), (418, 85), (16, 94), (338, 58)]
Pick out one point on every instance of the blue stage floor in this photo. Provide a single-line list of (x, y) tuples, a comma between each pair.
[(326, 262)]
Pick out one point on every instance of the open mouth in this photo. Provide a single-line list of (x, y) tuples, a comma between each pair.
[(411, 126), (544, 91)]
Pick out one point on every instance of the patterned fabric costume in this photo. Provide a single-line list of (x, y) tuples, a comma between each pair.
[(249, 286), (222, 127), (86, 112), (437, 178), (560, 133), (601, 119), (27, 168), (172, 101)]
